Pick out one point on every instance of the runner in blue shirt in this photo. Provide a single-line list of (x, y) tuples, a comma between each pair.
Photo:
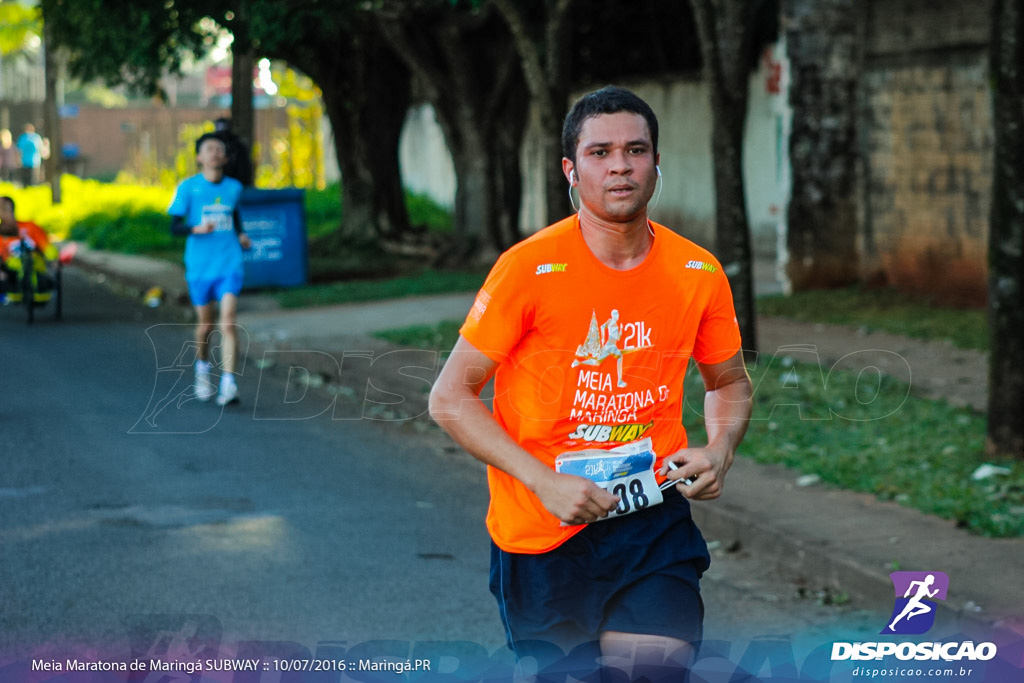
[(31, 146), (205, 207)]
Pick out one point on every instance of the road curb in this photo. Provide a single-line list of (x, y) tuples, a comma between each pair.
[(137, 272), (846, 544)]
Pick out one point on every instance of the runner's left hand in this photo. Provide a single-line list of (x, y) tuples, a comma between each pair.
[(706, 466)]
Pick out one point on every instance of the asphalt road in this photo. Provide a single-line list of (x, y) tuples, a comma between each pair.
[(136, 523)]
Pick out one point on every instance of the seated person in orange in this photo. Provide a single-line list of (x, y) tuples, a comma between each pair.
[(12, 231)]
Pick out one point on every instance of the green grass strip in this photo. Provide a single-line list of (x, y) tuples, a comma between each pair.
[(419, 284), (882, 309), (865, 432), (857, 430)]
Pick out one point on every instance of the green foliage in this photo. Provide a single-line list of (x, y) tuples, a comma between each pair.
[(440, 337), (882, 309), (128, 42), (132, 218), (425, 212), (418, 284), (334, 257), (296, 151), (855, 430), (130, 232), (90, 202), (18, 26), (864, 432), (323, 211)]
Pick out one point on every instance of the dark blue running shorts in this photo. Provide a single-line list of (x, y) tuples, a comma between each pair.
[(635, 574)]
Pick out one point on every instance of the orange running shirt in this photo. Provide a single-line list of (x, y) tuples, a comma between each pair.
[(558, 322)]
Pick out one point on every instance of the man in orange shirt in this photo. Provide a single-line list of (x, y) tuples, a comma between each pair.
[(11, 232), (589, 467)]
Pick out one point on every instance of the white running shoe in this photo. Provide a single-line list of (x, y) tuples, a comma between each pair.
[(228, 393), (203, 388)]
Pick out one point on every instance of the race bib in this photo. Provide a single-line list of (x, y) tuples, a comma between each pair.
[(219, 215), (626, 471)]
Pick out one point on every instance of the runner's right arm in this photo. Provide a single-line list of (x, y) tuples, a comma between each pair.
[(455, 405)]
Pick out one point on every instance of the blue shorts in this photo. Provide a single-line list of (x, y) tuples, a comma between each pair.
[(635, 574), (203, 292)]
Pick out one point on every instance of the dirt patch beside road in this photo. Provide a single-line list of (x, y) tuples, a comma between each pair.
[(934, 369)]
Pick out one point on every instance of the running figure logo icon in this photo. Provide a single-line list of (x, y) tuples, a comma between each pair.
[(914, 610), (602, 343)]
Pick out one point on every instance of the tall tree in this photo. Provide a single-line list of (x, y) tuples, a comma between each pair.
[(128, 42), (366, 92), (464, 63), (821, 239), (363, 91), (18, 26), (729, 33), (243, 63), (51, 114), (542, 32), (1006, 233)]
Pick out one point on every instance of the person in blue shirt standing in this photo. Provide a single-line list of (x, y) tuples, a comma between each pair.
[(205, 207), (31, 146)]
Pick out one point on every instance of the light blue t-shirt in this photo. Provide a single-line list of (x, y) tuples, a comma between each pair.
[(217, 254), (31, 147)]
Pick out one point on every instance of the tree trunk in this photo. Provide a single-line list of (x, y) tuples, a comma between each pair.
[(488, 193), (553, 107), (726, 38), (732, 235), (243, 61), (466, 68), (367, 117), (822, 219), (51, 118), (542, 41), (243, 120), (473, 198), (366, 93), (484, 138), (1006, 234)]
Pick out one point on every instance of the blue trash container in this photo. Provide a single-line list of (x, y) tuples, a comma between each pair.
[(276, 223)]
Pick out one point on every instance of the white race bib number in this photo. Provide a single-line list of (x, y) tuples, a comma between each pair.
[(626, 471), (219, 215)]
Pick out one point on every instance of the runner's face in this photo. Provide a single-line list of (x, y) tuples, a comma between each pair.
[(615, 166), (212, 154)]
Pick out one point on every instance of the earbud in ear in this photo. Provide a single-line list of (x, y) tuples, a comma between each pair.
[(657, 169), (572, 177)]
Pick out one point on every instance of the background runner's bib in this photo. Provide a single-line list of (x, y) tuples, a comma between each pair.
[(219, 215)]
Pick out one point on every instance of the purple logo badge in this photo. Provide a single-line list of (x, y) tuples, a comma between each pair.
[(916, 593)]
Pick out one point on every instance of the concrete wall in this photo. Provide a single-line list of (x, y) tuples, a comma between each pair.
[(925, 150), (928, 146), (111, 140), (424, 158), (687, 201)]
